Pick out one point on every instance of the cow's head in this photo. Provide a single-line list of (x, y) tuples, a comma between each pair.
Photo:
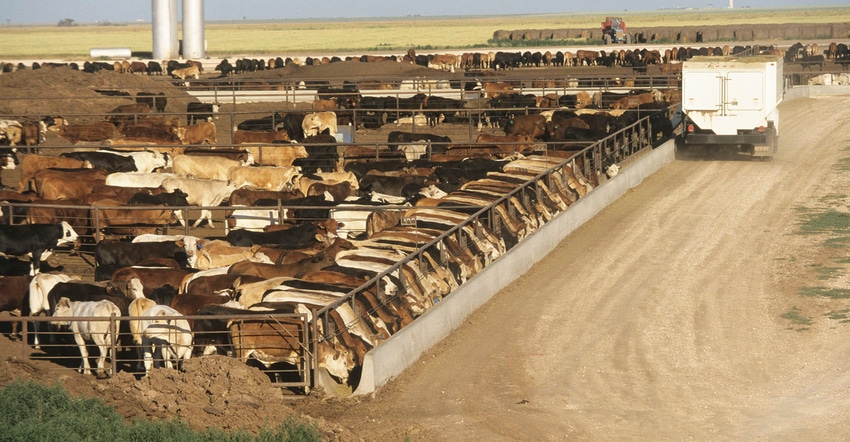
[(69, 236), (64, 308)]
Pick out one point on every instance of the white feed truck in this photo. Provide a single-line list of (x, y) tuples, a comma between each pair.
[(729, 104)]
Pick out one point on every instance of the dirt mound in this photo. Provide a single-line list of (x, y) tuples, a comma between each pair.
[(211, 391)]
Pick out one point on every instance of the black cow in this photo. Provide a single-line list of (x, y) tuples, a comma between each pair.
[(35, 240), (154, 68), (109, 255), (302, 235), (398, 137), (197, 112), (111, 162), (173, 199), (268, 123)]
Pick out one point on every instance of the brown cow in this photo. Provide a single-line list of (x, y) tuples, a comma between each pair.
[(281, 155), (191, 71), (508, 144), (199, 133), (68, 186), (267, 137), (533, 125), (100, 131), (14, 290), (122, 219), (32, 163)]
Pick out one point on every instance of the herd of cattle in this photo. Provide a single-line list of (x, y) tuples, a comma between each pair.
[(311, 223)]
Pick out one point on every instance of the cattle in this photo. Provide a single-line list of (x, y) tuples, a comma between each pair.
[(218, 253), (167, 331), (281, 155), (209, 167), (156, 101), (154, 278), (35, 240), (100, 131), (197, 112), (127, 113), (338, 191), (102, 332), (151, 131), (267, 137), (106, 160), (138, 179), (110, 255), (154, 68), (33, 133), (183, 73), (299, 236), (10, 132), (532, 125), (201, 192), (316, 123), (53, 184), (117, 217), (396, 138), (14, 298), (198, 133), (138, 67), (264, 177)]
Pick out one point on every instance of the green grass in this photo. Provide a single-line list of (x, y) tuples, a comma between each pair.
[(825, 292), (842, 316), (31, 411), (822, 221), (795, 317)]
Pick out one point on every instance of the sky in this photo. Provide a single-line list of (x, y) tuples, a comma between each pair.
[(17, 12)]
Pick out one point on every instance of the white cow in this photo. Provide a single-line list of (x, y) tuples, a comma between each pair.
[(315, 123), (40, 286), (201, 192), (103, 333), (171, 336)]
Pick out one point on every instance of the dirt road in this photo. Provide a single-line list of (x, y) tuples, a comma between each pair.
[(660, 319)]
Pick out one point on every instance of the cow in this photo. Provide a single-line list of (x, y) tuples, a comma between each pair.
[(209, 167), (267, 137), (183, 73), (127, 113), (69, 186), (35, 240), (198, 133), (32, 163), (218, 253), (197, 112), (162, 327), (106, 160), (116, 216), (110, 255), (316, 123), (100, 131), (281, 155), (14, 298), (533, 125), (396, 138), (508, 144), (299, 236), (103, 333), (201, 192), (264, 177)]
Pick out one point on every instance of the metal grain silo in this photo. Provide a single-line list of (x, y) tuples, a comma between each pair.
[(164, 22), (193, 28)]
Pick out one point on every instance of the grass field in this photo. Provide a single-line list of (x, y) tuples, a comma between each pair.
[(228, 39)]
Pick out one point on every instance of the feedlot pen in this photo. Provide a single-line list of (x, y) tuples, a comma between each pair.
[(428, 270)]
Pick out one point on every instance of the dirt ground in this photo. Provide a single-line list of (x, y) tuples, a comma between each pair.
[(663, 318)]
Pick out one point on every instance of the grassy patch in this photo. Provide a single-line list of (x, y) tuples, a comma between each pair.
[(796, 318), (828, 221), (825, 292), (842, 316)]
